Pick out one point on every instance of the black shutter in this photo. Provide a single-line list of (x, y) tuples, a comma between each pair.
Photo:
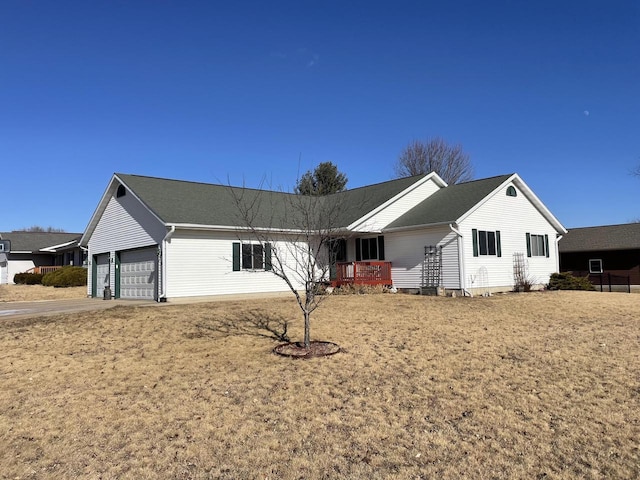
[(381, 247), (236, 256), (358, 256), (546, 245), (498, 245), (267, 257), (474, 235), (528, 244)]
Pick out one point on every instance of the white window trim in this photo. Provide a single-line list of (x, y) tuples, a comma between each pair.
[(599, 260)]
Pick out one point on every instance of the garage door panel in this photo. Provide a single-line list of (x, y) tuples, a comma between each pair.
[(138, 274)]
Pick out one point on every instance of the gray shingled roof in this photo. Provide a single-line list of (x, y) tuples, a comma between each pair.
[(449, 204), (35, 241), (182, 202), (608, 237)]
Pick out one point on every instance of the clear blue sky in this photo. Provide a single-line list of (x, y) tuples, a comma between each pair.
[(242, 91)]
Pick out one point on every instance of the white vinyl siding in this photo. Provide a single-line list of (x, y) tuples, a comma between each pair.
[(125, 224), (200, 263), (405, 251), (514, 217), (397, 208)]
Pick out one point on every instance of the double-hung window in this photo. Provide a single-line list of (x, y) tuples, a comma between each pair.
[(251, 256), (537, 245), (486, 242)]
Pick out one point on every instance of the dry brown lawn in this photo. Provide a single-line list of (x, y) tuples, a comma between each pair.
[(540, 385), (30, 293)]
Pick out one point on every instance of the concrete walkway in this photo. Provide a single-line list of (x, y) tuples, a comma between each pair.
[(55, 307)]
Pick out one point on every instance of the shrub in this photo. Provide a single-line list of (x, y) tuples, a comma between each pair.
[(66, 277), (27, 278), (567, 281)]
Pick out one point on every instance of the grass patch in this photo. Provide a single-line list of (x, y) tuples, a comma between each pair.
[(543, 385)]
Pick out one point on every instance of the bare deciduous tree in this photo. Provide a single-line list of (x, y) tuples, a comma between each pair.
[(39, 229), (296, 234), (435, 155)]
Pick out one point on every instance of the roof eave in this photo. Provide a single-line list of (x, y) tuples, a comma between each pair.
[(416, 227)]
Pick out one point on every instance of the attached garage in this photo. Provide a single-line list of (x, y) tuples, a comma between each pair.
[(100, 274), (138, 274)]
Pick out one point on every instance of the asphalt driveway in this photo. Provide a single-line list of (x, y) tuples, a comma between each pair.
[(53, 307)]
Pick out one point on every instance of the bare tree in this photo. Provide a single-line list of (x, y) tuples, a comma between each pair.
[(38, 228), (296, 235), (434, 155)]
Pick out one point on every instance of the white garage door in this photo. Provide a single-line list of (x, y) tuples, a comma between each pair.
[(102, 274), (138, 274)]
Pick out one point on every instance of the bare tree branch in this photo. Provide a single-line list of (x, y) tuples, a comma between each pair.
[(297, 230), (435, 155)]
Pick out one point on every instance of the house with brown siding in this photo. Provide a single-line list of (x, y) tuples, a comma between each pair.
[(608, 254)]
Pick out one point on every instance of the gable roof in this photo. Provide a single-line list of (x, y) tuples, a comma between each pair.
[(38, 241), (192, 203), (607, 237), (448, 204), (201, 205)]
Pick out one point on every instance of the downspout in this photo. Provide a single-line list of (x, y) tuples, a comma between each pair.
[(461, 273), (558, 238), (163, 265)]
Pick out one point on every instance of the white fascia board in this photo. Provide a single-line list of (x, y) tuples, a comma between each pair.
[(53, 248), (524, 188), (229, 228), (417, 227), (104, 201), (432, 176), (235, 228)]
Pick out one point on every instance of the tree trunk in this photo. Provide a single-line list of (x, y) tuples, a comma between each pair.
[(307, 330)]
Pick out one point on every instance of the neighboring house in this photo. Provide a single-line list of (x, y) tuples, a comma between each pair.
[(37, 251), (161, 239), (609, 254)]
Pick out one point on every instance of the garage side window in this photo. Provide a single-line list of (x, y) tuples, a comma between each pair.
[(251, 256)]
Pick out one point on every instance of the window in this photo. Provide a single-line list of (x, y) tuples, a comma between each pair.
[(251, 256), (370, 248), (121, 191), (511, 191), (537, 245), (486, 243), (595, 265)]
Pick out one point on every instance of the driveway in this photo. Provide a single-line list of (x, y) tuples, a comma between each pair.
[(54, 307)]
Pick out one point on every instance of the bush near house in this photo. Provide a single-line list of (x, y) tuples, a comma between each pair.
[(27, 278), (66, 277), (567, 281)]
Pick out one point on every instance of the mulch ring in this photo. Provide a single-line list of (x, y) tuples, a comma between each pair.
[(317, 348)]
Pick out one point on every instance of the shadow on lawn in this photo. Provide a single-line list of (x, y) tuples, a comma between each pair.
[(255, 322)]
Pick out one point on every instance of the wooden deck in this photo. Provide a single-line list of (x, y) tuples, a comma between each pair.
[(363, 273), (44, 269)]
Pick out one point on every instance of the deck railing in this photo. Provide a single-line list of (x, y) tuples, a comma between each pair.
[(44, 270), (363, 273)]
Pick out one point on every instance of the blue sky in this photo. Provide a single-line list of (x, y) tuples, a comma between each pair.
[(245, 92)]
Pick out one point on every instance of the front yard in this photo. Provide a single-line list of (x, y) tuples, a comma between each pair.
[(540, 385)]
